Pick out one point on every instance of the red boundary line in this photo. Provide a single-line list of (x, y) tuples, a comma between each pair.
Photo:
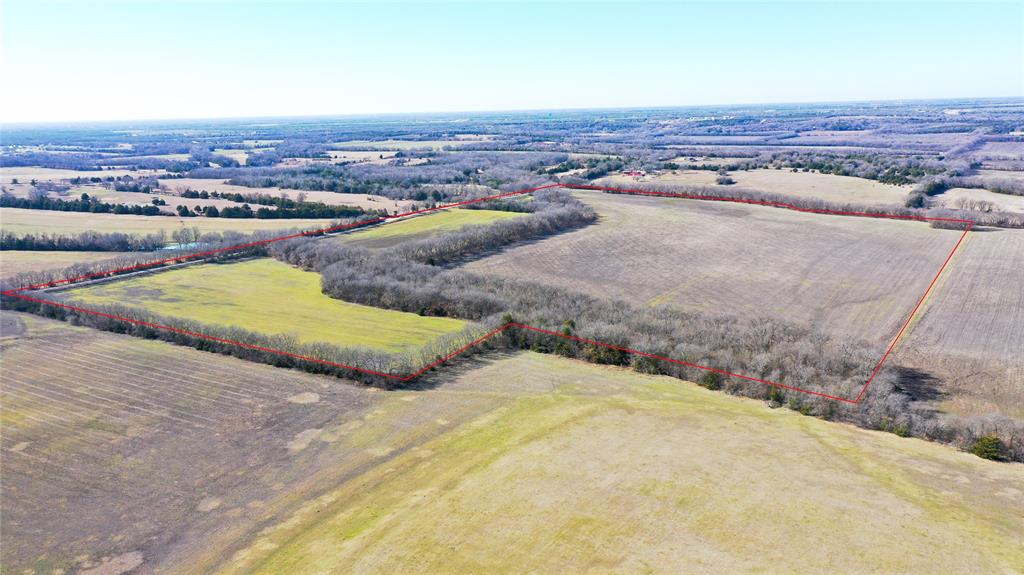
[(639, 192)]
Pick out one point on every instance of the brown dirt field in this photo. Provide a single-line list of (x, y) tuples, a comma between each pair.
[(123, 453), (857, 277), (854, 277), (972, 329)]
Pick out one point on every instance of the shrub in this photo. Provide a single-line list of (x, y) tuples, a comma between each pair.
[(712, 380), (989, 447)]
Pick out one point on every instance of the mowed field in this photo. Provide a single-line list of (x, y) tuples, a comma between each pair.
[(856, 277), (25, 174), (422, 227), (122, 453), (14, 262), (20, 222), (972, 328), (366, 201), (828, 187), (268, 297)]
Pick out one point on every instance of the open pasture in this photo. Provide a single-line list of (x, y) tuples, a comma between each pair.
[(857, 277), (422, 227), (365, 201), (20, 222), (27, 174), (969, 198), (268, 297), (551, 476), (14, 262), (409, 144), (827, 187), (356, 156)]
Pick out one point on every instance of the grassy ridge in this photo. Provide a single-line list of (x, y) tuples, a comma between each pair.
[(269, 297)]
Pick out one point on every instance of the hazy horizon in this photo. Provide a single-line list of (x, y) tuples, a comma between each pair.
[(414, 113), (184, 61)]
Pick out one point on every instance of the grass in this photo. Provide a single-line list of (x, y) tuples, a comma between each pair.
[(21, 222), (270, 297), (25, 174), (13, 262), (425, 226), (584, 468), (828, 187), (407, 144)]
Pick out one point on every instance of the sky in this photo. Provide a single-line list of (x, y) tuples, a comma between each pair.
[(129, 60)]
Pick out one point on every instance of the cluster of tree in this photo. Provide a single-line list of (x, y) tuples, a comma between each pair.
[(288, 149), (204, 156), (83, 204), (305, 210), (415, 181), (141, 185), (592, 168), (85, 241)]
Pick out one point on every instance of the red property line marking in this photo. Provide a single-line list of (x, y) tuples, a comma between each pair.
[(968, 225)]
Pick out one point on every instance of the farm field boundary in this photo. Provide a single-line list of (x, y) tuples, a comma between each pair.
[(968, 224)]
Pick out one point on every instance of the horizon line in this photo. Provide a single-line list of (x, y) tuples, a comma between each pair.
[(8, 124)]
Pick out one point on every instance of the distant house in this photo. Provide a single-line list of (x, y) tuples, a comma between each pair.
[(635, 173)]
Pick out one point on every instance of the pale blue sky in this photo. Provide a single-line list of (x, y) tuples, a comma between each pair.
[(135, 60)]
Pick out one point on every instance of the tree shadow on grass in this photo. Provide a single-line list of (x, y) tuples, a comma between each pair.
[(918, 384)]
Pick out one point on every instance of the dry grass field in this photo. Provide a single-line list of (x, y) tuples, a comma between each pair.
[(589, 469), (19, 222), (828, 187), (952, 197), (369, 202), (14, 262), (410, 144), (852, 276), (122, 453), (972, 330), (425, 226), (268, 297), (26, 174)]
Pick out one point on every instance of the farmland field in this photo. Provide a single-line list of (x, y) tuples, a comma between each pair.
[(583, 468), (972, 330), (425, 226), (407, 144), (26, 174), (852, 276), (14, 262), (366, 201), (20, 222), (269, 297), (240, 467), (1003, 202), (828, 187)]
